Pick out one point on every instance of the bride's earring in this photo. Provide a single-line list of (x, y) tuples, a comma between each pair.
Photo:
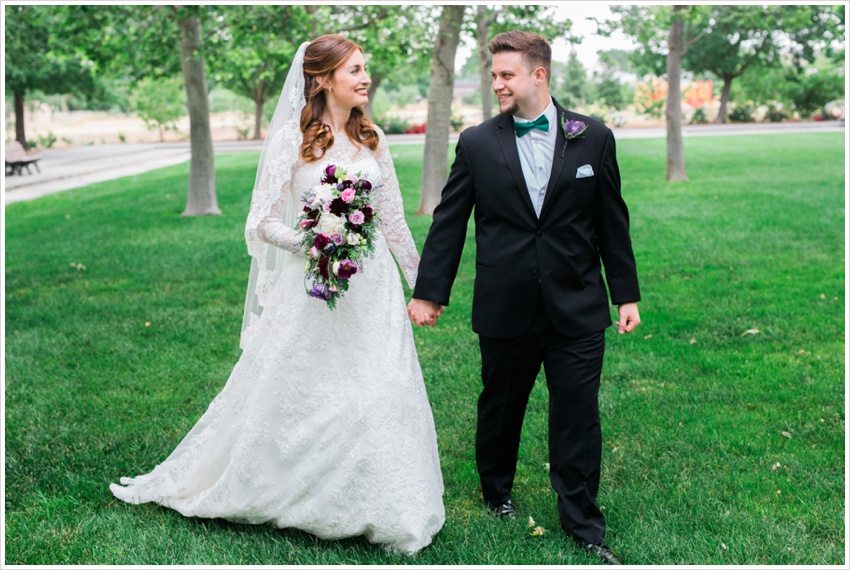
[(330, 89)]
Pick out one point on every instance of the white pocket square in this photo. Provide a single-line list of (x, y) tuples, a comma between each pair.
[(585, 171)]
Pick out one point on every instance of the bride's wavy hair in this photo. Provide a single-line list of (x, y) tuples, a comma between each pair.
[(322, 58)]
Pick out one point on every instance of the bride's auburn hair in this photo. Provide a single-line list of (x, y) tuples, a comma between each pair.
[(322, 58)]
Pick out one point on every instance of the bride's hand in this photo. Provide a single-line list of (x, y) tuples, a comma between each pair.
[(423, 312)]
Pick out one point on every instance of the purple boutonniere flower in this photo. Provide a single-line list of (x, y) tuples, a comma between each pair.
[(572, 130)]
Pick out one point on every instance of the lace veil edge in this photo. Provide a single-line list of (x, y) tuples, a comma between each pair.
[(280, 152)]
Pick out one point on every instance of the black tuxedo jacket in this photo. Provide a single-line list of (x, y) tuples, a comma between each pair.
[(521, 260)]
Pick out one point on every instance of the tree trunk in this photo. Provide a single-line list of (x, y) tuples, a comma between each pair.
[(20, 136), (202, 199), (373, 88), (482, 22), (724, 100), (675, 148), (436, 160), (259, 99)]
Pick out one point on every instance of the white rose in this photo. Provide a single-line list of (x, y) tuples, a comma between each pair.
[(330, 223), (324, 192), (336, 268), (353, 239)]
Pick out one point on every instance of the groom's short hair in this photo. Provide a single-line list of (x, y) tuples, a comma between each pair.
[(534, 48)]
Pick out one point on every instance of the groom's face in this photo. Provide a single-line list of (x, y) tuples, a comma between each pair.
[(513, 83)]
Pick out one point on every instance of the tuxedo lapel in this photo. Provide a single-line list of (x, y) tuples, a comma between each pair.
[(557, 161), (507, 139)]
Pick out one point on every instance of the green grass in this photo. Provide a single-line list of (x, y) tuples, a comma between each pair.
[(696, 469)]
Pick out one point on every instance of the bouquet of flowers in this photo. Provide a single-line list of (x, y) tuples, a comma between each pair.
[(339, 225)]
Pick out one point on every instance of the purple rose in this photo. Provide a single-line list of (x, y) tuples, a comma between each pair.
[(357, 217), (337, 238), (329, 177), (365, 185), (347, 268)]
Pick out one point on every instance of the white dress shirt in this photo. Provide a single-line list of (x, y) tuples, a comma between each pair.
[(536, 149)]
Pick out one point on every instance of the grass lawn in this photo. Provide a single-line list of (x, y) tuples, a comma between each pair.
[(723, 414)]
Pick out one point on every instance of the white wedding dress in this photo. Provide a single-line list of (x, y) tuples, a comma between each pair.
[(324, 424)]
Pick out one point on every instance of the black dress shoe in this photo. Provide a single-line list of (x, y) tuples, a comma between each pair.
[(506, 509), (602, 552)]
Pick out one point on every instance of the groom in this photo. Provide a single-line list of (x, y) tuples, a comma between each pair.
[(547, 207)]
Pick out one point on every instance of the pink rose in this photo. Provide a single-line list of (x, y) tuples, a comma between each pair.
[(347, 195), (337, 238), (357, 217)]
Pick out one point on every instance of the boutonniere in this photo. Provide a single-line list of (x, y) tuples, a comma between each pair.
[(572, 129)]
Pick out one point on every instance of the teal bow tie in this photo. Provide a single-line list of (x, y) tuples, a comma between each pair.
[(540, 122)]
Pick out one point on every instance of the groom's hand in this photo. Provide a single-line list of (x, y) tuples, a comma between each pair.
[(423, 312), (629, 317)]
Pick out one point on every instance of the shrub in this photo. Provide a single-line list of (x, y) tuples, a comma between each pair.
[(699, 117), (46, 141), (393, 125), (742, 113), (456, 121), (415, 129), (775, 114)]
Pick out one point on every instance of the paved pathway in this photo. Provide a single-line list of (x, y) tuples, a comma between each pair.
[(63, 169)]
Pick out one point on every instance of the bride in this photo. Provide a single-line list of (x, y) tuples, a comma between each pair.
[(324, 424)]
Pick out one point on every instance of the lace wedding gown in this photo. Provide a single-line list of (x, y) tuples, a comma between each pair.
[(324, 424)]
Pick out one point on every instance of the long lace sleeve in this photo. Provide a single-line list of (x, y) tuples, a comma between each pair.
[(271, 219), (391, 211), (274, 230)]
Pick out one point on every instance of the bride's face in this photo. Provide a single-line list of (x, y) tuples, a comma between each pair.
[(350, 83)]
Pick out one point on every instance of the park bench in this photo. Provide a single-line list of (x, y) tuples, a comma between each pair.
[(17, 158)]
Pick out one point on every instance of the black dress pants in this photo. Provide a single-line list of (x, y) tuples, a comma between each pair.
[(573, 366)]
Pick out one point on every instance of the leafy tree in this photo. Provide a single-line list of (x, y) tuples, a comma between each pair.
[(810, 89), (569, 82), (792, 87), (397, 40), (490, 21), (159, 103), (435, 163), (609, 88), (251, 49), (39, 56), (730, 40), (156, 41), (675, 51)]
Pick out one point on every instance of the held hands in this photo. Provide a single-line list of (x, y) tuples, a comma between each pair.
[(629, 317), (423, 313)]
